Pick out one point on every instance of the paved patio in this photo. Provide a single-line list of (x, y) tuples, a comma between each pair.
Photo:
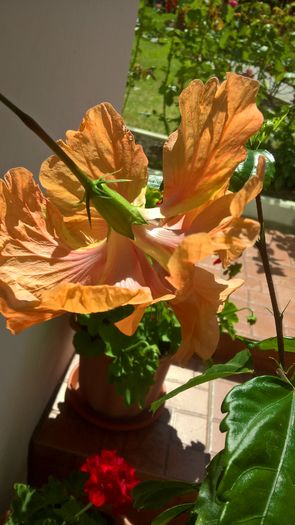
[(179, 444)]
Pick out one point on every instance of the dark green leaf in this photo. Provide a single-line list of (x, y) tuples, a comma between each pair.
[(208, 506), (169, 514), (256, 485), (69, 509), (233, 269), (86, 345), (47, 521), (154, 494), (241, 363), (247, 168), (24, 496)]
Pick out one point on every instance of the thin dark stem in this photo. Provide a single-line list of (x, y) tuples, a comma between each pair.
[(135, 53), (165, 84), (278, 315), (36, 128)]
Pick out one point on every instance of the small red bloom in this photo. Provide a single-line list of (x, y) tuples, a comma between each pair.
[(111, 480), (233, 3)]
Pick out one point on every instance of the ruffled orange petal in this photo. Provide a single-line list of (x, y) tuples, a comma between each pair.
[(41, 277), (200, 157), (102, 147), (199, 295), (221, 219), (127, 278)]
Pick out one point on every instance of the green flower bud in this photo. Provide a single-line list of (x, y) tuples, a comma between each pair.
[(114, 208)]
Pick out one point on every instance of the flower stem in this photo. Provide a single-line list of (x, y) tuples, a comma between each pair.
[(135, 53), (87, 507), (111, 205), (41, 133), (278, 315)]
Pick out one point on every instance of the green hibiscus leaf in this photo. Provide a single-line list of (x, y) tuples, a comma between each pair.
[(241, 363), (247, 168), (168, 515), (153, 494), (256, 481), (272, 344), (208, 505)]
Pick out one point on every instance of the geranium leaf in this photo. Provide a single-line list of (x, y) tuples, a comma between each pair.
[(86, 345), (247, 168), (24, 497), (241, 363), (169, 514), (256, 483), (153, 494)]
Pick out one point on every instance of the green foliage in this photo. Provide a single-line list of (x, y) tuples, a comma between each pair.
[(153, 197), (203, 39), (132, 369), (232, 270), (241, 363), (247, 168), (169, 514), (208, 505), (253, 479), (228, 318), (55, 503), (135, 358), (153, 494), (272, 344), (251, 318)]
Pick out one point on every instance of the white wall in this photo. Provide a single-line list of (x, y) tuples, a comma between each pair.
[(57, 59)]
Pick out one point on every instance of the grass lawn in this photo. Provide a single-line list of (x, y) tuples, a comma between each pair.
[(144, 104)]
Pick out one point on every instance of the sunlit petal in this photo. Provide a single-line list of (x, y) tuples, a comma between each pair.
[(200, 157), (199, 295), (102, 147), (221, 219), (41, 276), (158, 241)]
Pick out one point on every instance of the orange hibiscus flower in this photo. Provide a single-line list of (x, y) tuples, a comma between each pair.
[(52, 261)]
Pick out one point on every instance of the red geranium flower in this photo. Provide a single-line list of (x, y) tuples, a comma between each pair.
[(111, 480)]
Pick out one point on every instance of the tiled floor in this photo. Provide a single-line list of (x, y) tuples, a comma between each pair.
[(179, 444)]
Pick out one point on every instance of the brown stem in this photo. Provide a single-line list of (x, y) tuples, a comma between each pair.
[(165, 84), (135, 53), (41, 133), (278, 315)]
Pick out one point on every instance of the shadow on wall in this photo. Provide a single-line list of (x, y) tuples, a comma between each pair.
[(31, 365)]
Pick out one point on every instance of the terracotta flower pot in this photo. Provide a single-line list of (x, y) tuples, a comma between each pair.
[(97, 400)]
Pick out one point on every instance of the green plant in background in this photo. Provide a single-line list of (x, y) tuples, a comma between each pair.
[(200, 39), (134, 359)]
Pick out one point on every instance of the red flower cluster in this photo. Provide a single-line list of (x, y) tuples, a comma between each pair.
[(110, 482)]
